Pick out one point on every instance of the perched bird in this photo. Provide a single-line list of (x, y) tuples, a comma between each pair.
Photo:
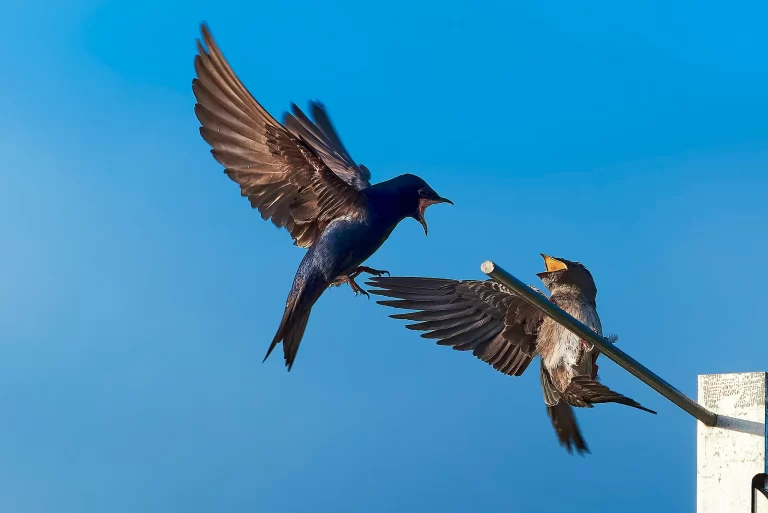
[(506, 331), (299, 175)]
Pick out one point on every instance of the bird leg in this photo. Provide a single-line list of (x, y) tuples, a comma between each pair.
[(585, 348), (355, 287), (594, 367), (369, 270), (354, 274)]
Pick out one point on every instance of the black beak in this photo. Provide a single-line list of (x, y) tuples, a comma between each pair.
[(423, 223), (445, 200)]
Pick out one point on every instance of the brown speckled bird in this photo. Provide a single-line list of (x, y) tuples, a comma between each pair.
[(506, 331)]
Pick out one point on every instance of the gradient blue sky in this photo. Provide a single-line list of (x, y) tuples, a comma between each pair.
[(139, 292)]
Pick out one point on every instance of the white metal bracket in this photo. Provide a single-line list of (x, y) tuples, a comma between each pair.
[(731, 456)]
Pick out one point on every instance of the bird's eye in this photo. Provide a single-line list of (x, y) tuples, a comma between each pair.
[(421, 192)]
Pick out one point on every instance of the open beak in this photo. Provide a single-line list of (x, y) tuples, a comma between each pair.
[(553, 264), (423, 223), (423, 204)]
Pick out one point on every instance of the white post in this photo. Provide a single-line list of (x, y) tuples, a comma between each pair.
[(732, 454)]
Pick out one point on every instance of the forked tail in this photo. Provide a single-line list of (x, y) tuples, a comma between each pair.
[(294, 322)]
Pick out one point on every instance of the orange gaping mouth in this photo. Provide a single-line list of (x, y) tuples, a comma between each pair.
[(553, 264)]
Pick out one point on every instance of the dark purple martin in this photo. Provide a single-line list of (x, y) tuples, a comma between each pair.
[(299, 175), (505, 331)]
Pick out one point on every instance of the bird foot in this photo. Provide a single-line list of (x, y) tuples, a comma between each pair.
[(585, 348), (369, 270), (357, 289)]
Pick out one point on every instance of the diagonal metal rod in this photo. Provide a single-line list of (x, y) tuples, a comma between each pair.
[(608, 349)]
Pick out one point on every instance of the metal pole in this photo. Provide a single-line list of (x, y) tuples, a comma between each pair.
[(608, 349)]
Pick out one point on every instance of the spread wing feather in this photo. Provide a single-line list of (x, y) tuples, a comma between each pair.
[(484, 317), (300, 180), (323, 138)]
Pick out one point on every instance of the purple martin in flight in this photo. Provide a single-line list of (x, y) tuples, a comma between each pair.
[(299, 175)]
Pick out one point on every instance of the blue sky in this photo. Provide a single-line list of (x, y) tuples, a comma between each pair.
[(139, 292)]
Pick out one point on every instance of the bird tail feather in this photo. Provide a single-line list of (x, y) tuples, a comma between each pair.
[(561, 415), (292, 326), (567, 429), (584, 392), (283, 323), (293, 335)]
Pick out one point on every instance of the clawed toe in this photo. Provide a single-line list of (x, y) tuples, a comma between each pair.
[(369, 270), (361, 291), (357, 289)]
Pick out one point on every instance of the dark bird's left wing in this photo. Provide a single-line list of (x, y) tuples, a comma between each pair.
[(299, 176), (484, 317)]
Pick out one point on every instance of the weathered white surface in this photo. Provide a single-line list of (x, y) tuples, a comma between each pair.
[(731, 454)]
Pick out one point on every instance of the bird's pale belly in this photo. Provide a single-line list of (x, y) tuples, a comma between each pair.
[(565, 348)]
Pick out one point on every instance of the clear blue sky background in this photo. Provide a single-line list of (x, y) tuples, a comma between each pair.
[(139, 292)]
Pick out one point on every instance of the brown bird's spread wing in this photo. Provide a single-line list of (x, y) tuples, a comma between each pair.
[(479, 316), (300, 179)]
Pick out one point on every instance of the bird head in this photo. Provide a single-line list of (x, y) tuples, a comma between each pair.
[(566, 274), (417, 195)]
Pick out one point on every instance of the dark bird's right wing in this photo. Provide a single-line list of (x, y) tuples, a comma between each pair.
[(301, 178), (484, 317), (324, 140)]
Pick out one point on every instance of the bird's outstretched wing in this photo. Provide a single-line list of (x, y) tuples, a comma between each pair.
[(300, 179), (484, 317), (324, 140)]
